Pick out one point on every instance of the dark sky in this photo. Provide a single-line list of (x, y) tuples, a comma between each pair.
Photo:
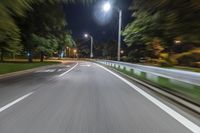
[(88, 18)]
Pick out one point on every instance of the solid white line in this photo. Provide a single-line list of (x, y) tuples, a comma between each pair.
[(68, 70), (14, 102), (184, 121)]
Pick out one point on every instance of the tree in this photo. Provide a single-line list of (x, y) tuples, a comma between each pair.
[(9, 30), (163, 20), (44, 46), (83, 47), (110, 49), (65, 41), (44, 21)]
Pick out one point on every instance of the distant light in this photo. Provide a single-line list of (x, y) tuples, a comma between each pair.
[(86, 35), (75, 50), (122, 51), (177, 41), (106, 7)]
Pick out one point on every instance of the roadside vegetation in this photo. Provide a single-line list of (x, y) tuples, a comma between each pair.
[(34, 28), (14, 66), (165, 32), (162, 33)]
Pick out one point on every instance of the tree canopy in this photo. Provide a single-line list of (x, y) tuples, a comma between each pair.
[(22, 18), (168, 22)]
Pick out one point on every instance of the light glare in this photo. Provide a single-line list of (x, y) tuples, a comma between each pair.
[(86, 35), (106, 7)]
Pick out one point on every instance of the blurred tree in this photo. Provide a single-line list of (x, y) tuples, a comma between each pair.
[(9, 9), (83, 47), (110, 49), (44, 46), (98, 50), (65, 41), (169, 21), (9, 31), (45, 20)]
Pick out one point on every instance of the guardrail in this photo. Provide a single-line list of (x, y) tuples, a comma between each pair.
[(184, 89)]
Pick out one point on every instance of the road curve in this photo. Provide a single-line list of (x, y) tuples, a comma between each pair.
[(87, 99)]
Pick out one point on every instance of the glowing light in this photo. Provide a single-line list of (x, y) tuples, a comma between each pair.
[(177, 41), (106, 7), (86, 35)]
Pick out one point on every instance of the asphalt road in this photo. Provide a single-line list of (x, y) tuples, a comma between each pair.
[(83, 98), (191, 77)]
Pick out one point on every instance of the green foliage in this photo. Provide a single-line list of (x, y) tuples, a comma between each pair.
[(189, 58), (131, 57), (164, 63), (45, 45), (66, 40), (165, 20), (43, 26), (10, 32)]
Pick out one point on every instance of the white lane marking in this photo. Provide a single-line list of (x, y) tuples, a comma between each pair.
[(68, 70), (184, 121), (14, 102), (59, 70), (85, 65), (68, 66), (46, 71)]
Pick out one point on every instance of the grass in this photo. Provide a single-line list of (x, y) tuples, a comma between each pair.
[(184, 90), (14, 66)]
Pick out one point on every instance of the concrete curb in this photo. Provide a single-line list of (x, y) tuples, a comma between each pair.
[(18, 73), (174, 98)]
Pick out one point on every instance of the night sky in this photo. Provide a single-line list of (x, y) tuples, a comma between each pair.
[(90, 19)]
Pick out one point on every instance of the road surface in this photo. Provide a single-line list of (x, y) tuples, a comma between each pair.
[(83, 98), (190, 77)]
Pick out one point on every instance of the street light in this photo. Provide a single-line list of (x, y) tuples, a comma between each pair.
[(177, 41), (106, 7), (91, 38)]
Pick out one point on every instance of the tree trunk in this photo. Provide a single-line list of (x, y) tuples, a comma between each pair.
[(41, 57), (2, 55)]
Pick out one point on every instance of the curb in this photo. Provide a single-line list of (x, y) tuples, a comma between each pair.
[(18, 73), (170, 96)]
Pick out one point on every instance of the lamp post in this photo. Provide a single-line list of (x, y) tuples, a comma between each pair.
[(107, 7), (92, 41)]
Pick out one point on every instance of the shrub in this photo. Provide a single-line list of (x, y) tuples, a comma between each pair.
[(125, 59), (133, 57), (188, 59), (164, 63)]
